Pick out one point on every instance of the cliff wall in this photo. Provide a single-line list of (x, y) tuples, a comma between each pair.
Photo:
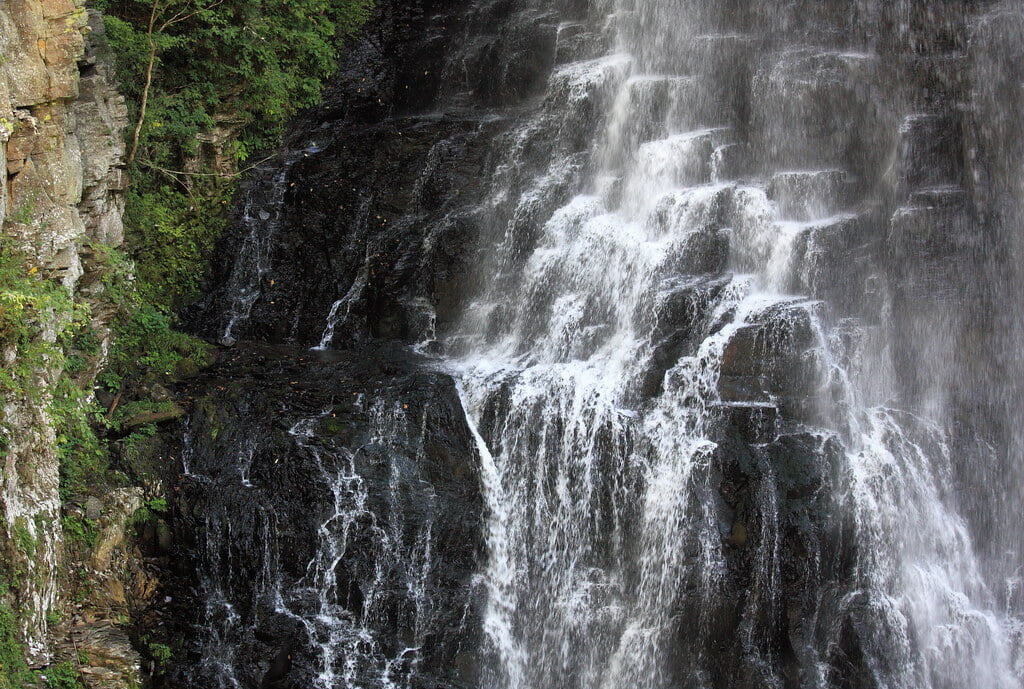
[(61, 178)]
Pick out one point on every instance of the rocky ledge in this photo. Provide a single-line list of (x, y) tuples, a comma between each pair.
[(328, 512)]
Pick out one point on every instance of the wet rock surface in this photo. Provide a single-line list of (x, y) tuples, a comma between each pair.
[(330, 512), (834, 153), (330, 501), (373, 206)]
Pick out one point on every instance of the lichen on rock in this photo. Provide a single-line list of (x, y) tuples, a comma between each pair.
[(61, 158)]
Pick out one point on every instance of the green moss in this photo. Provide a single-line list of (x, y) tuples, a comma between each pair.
[(79, 531), (23, 538), (14, 673)]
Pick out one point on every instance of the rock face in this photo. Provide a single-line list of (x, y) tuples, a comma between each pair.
[(63, 146), (365, 226), (60, 136), (111, 580), (331, 500), (330, 504)]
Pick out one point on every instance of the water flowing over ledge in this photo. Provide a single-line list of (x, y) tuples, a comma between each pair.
[(723, 285)]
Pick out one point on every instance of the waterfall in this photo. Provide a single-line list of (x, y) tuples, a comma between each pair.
[(628, 343), (695, 271), (260, 221), (323, 526)]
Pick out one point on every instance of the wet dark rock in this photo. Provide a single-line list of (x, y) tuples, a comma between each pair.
[(375, 211), (926, 141), (682, 313), (806, 195), (756, 423), (771, 360), (834, 260), (932, 247), (279, 668), (273, 432), (775, 503), (515, 63)]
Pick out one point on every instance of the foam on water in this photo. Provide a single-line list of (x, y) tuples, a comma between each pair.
[(603, 517)]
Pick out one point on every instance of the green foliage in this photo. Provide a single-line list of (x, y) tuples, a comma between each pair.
[(150, 511), (240, 67), (146, 347), (79, 531), (118, 276), (158, 505), (63, 676), (14, 673), (159, 652), (84, 459), (174, 235), (253, 62), (29, 307)]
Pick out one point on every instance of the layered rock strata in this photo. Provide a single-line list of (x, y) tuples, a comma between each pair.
[(61, 155)]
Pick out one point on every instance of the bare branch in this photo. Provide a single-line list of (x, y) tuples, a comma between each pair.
[(154, 12), (222, 175), (180, 16)]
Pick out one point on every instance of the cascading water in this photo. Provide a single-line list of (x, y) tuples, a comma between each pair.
[(260, 220), (329, 532), (610, 538), (738, 384)]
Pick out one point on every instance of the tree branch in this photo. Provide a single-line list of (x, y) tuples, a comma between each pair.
[(151, 29), (224, 175), (149, 81)]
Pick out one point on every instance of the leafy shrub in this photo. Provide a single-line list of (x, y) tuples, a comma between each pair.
[(14, 673), (62, 676)]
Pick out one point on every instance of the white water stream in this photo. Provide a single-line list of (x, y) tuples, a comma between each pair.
[(604, 516)]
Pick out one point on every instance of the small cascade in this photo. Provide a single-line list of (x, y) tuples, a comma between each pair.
[(340, 311), (259, 221), (329, 533), (340, 626)]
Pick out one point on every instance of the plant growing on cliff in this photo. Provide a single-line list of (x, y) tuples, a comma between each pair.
[(189, 64), (207, 83), (63, 676), (35, 314), (14, 672)]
